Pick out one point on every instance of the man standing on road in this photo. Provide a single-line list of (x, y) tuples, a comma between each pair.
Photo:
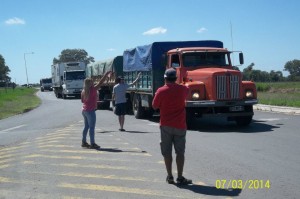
[(170, 100), (119, 96)]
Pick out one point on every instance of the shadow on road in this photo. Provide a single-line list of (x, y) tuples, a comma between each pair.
[(221, 125), (212, 191), (116, 150)]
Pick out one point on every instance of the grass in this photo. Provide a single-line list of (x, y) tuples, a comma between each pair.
[(279, 93), (17, 101)]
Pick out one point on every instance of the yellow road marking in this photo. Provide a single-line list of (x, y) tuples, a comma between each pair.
[(95, 152), (12, 148), (54, 157), (7, 156), (98, 166), (4, 166), (85, 175), (55, 146), (10, 180), (7, 160), (129, 190), (80, 158)]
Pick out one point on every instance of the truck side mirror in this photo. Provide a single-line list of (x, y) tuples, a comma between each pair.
[(241, 57)]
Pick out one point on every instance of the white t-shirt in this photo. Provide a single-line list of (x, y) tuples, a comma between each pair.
[(119, 91)]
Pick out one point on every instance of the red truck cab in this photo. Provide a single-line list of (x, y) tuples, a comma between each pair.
[(215, 88)]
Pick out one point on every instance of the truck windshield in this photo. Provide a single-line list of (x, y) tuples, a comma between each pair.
[(46, 81), (205, 59), (74, 75)]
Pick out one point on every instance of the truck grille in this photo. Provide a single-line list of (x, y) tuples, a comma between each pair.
[(228, 87)]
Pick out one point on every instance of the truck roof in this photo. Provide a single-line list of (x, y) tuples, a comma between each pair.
[(199, 49), (102, 66), (143, 58)]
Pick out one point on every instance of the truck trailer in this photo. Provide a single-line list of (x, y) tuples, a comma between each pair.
[(205, 67), (97, 69), (67, 79)]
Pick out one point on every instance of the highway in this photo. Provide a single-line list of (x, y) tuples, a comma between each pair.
[(41, 156)]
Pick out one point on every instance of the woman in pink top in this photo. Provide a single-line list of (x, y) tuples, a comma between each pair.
[(89, 99)]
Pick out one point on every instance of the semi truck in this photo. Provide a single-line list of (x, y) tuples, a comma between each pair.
[(46, 84), (205, 67), (67, 79), (97, 69)]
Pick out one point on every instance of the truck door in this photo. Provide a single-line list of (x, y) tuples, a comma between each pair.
[(175, 63)]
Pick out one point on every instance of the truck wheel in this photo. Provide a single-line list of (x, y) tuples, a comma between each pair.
[(138, 110), (243, 120)]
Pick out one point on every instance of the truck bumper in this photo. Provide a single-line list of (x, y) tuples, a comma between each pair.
[(221, 108), (211, 103)]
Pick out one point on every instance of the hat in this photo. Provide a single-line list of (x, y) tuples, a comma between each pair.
[(170, 73)]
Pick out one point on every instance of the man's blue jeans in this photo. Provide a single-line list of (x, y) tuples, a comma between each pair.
[(89, 125)]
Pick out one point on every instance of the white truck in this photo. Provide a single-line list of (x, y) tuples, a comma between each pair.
[(67, 79)]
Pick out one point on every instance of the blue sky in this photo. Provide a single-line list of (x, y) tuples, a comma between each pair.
[(267, 31)]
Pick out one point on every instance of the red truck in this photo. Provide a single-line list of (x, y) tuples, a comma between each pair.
[(205, 67)]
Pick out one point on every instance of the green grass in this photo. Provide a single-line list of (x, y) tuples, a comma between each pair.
[(17, 101), (279, 93)]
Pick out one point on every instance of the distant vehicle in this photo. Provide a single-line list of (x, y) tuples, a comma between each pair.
[(67, 79), (46, 84)]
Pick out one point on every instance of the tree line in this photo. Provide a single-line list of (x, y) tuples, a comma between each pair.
[(293, 67), (249, 73)]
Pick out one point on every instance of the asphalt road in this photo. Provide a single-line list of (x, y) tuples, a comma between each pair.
[(41, 157)]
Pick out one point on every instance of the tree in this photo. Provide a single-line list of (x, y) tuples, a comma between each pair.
[(293, 67), (247, 72), (4, 70), (69, 55), (276, 76)]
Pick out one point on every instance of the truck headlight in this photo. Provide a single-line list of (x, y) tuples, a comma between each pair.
[(195, 96), (249, 94)]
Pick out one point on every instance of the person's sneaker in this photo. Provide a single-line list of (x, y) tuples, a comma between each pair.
[(170, 179), (85, 144), (95, 146), (122, 130), (183, 181)]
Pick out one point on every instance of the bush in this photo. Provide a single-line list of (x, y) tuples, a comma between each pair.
[(263, 87)]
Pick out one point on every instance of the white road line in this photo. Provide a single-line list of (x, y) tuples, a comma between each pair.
[(13, 128)]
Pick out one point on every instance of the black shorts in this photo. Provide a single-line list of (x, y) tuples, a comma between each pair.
[(120, 109)]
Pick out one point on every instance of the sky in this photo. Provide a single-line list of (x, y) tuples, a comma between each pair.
[(266, 31)]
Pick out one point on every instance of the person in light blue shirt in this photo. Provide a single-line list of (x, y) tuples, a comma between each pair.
[(119, 96)]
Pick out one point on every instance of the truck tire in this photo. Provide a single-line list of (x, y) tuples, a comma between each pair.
[(243, 120), (138, 110)]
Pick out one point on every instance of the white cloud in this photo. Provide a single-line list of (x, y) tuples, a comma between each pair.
[(155, 31), (15, 21), (201, 30), (111, 49)]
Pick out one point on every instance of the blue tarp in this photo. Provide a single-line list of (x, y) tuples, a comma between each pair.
[(148, 57)]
